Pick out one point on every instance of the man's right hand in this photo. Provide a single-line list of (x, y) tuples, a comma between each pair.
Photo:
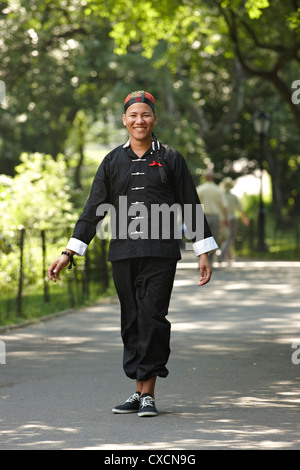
[(57, 266)]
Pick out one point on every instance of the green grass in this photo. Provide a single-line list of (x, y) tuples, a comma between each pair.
[(34, 305), (283, 244), (274, 253)]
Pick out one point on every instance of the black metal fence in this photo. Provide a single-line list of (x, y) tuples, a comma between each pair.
[(285, 238), (27, 253), (25, 258)]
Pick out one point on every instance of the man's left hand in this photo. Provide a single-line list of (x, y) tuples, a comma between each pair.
[(205, 270)]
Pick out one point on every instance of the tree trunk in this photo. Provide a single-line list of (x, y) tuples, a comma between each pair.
[(77, 174)]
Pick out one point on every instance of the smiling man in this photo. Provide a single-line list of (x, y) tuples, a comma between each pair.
[(140, 119), (146, 174)]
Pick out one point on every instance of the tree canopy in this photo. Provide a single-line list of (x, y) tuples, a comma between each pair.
[(210, 64)]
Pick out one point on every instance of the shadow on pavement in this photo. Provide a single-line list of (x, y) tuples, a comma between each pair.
[(232, 382)]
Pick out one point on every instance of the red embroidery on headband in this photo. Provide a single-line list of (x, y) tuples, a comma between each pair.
[(155, 163)]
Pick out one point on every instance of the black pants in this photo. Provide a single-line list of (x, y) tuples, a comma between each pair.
[(144, 287)]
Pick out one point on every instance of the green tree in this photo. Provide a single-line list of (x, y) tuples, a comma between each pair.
[(36, 199), (266, 43), (211, 64), (55, 62), (229, 57), (33, 198)]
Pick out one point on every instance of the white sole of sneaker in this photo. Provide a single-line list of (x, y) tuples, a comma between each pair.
[(123, 412), (147, 413)]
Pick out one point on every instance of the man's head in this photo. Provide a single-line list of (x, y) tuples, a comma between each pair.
[(139, 116), (209, 175)]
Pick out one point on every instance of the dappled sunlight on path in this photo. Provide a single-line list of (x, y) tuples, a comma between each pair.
[(232, 382)]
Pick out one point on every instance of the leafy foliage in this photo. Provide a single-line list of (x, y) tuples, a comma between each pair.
[(68, 65), (211, 65), (33, 198)]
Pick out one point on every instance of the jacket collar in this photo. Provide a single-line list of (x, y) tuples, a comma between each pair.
[(127, 145)]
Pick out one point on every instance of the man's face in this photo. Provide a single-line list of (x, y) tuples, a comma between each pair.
[(140, 121)]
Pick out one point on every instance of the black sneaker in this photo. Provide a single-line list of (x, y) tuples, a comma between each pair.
[(147, 406), (131, 405)]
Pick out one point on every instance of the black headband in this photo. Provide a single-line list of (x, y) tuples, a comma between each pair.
[(139, 97)]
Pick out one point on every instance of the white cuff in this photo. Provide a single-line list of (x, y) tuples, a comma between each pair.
[(77, 246), (206, 245)]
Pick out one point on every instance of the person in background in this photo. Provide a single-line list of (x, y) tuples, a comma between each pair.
[(234, 209), (214, 205)]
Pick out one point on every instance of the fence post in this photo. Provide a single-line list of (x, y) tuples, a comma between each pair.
[(86, 276), (105, 275), (297, 224), (251, 234), (19, 299), (46, 286), (70, 288)]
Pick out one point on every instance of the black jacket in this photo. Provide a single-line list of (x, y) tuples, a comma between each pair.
[(139, 184)]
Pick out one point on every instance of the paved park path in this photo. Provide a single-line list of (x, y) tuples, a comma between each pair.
[(234, 379)]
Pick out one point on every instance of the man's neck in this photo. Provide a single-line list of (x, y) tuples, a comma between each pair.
[(140, 147)]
